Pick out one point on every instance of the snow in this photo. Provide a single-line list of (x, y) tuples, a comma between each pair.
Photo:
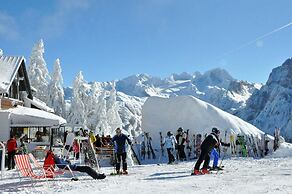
[(38, 103), (24, 116), (9, 67), (168, 114), (285, 150), (240, 175)]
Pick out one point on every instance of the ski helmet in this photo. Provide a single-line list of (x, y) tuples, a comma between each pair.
[(180, 129), (215, 130), (169, 133)]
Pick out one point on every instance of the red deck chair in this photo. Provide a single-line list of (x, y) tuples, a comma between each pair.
[(51, 170), (25, 169)]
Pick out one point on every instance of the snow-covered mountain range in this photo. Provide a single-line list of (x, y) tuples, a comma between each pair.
[(215, 86), (266, 107), (103, 106), (271, 106)]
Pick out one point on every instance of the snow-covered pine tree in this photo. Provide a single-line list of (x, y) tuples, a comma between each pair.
[(38, 73), (1, 52), (114, 119), (92, 107), (56, 91), (102, 127), (77, 109)]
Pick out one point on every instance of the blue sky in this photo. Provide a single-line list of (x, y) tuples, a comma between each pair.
[(112, 39)]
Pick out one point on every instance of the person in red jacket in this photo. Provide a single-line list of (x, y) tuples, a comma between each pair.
[(11, 151)]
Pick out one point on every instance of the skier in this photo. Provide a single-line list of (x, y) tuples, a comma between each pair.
[(169, 142), (11, 151), (181, 140), (119, 141), (208, 144)]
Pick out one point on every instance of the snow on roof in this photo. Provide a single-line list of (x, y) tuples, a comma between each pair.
[(38, 103), (29, 117), (168, 114), (8, 69)]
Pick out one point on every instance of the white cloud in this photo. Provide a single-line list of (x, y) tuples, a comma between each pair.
[(8, 27)]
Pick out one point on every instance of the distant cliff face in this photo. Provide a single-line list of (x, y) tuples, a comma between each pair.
[(271, 106)]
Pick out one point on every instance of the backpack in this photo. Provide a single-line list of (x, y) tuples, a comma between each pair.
[(49, 164)]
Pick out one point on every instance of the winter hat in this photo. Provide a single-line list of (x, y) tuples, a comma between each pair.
[(169, 133), (180, 129), (215, 130)]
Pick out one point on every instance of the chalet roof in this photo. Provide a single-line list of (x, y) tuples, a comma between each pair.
[(8, 69), (37, 103)]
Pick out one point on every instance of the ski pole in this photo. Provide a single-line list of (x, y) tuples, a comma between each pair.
[(224, 153)]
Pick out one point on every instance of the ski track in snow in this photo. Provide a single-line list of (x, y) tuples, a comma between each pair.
[(241, 175)]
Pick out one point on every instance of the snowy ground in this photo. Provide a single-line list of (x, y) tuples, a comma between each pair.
[(241, 175)]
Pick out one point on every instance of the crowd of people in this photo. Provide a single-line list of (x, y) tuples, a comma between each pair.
[(175, 145)]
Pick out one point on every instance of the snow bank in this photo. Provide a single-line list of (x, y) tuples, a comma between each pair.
[(168, 114), (285, 150)]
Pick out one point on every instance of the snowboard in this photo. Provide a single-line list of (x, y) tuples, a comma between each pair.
[(90, 157)]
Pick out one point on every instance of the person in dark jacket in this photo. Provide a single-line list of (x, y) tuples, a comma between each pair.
[(62, 164), (119, 141), (207, 145), (11, 151), (181, 138)]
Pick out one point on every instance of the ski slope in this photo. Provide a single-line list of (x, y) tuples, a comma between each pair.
[(272, 174)]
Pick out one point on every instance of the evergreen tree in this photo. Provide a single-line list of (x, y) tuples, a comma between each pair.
[(92, 107), (38, 73), (77, 109), (102, 127), (56, 91), (114, 119)]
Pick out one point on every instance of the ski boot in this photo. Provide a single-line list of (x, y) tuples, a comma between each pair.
[(196, 172), (205, 171), (125, 172)]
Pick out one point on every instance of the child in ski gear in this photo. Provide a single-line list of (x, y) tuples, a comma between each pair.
[(51, 160), (215, 153), (207, 145), (181, 140), (11, 151), (169, 142), (119, 141)]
